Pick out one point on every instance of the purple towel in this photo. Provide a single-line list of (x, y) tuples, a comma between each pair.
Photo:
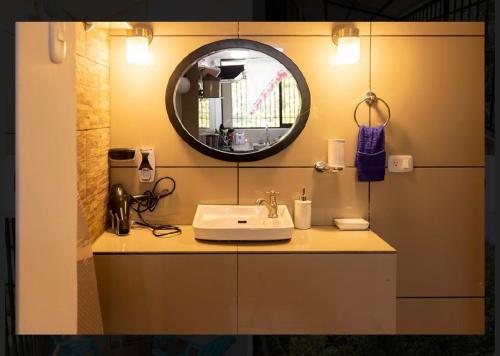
[(370, 155)]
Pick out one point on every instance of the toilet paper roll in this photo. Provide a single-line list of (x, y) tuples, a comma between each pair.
[(336, 153)]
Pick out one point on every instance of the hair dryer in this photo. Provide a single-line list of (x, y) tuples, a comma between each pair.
[(119, 209), (120, 203)]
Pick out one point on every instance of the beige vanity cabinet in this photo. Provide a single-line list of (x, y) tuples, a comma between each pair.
[(167, 293), (316, 293), (322, 281)]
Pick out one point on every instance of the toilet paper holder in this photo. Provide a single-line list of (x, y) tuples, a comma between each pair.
[(323, 167), (335, 161)]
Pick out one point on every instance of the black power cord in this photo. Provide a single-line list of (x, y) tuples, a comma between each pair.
[(148, 202)]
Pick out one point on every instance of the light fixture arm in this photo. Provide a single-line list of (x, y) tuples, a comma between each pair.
[(141, 31), (344, 32)]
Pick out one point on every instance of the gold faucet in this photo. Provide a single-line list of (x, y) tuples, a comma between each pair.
[(271, 205)]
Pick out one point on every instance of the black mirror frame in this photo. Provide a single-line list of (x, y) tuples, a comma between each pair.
[(197, 54)]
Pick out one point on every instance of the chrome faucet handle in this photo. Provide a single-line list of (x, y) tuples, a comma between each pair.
[(271, 205), (272, 193), (272, 197)]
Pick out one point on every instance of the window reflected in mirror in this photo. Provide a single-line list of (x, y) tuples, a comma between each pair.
[(240, 100)]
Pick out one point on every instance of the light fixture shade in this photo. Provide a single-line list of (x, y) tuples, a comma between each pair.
[(348, 50), (137, 49)]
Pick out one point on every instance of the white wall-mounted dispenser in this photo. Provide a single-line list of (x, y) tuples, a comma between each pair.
[(147, 166), (143, 159), (124, 157)]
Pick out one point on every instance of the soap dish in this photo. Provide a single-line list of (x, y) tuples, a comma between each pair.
[(351, 224)]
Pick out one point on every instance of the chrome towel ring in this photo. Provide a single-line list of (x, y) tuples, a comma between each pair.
[(371, 98)]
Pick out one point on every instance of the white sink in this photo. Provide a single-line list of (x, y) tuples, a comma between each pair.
[(241, 223)]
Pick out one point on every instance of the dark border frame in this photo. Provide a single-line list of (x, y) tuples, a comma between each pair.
[(299, 125)]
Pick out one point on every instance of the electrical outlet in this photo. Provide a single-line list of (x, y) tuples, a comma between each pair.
[(400, 163)]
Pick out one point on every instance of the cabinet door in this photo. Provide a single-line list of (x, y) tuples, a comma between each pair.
[(316, 293), (167, 293)]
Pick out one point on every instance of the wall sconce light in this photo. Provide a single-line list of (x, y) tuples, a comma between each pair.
[(348, 43), (137, 43)]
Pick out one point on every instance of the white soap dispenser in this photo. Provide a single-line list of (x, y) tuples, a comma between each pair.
[(302, 212)]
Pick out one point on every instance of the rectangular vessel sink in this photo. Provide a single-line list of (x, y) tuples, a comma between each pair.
[(241, 223)]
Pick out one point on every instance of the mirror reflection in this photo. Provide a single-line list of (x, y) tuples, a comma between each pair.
[(237, 100)]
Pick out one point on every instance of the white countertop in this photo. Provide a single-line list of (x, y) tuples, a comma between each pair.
[(318, 239)]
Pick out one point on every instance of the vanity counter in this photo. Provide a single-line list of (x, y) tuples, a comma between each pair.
[(180, 285), (318, 239)]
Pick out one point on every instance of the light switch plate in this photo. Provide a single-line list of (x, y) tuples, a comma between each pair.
[(400, 163)]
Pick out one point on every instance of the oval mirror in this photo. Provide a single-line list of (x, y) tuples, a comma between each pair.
[(237, 100)]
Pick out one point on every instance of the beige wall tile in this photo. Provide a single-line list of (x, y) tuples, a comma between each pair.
[(97, 145), (93, 137), (335, 91), (298, 28), (87, 93), (194, 186), (435, 88), (97, 48), (95, 177), (92, 93), (332, 195), (427, 28), (440, 316), (434, 218), (80, 39), (138, 115), (104, 96), (96, 211), (81, 163)]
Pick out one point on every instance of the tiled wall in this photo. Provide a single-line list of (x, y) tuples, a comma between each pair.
[(432, 77), (93, 124), (435, 215)]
